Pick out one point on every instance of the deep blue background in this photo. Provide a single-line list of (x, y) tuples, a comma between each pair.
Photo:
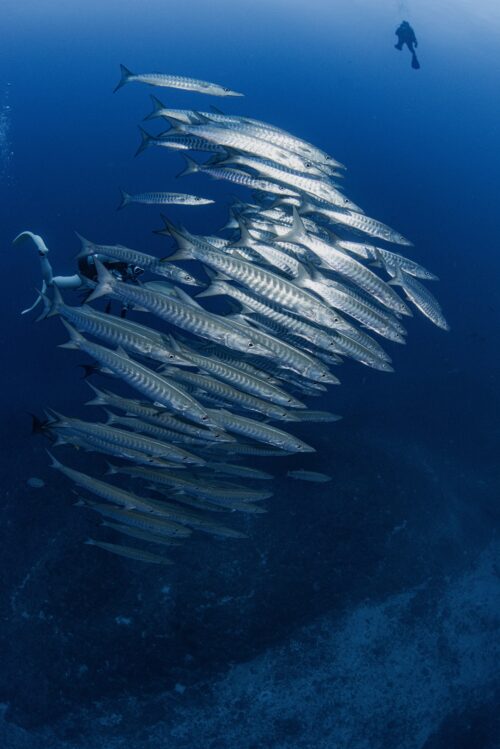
[(422, 151)]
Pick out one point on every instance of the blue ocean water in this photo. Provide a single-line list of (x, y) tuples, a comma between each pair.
[(362, 613)]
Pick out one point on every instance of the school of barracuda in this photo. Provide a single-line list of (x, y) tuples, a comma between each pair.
[(298, 264)]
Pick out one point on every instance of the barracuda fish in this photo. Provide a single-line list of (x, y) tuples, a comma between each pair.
[(273, 256), (289, 357), (312, 152), (251, 304), (392, 260), (130, 440), (363, 351), (239, 379), (133, 257), (185, 316), (203, 489), (259, 432), (240, 471), (150, 414), (156, 432), (162, 198), (144, 521), (129, 552), (310, 159), (421, 297), (115, 331), (152, 538), (174, 81), (237, 177), (243, 366), (351, 218), (263, 282), (233, 505), (175, 141), (262, 129), (309, 476), (112, 493), (152, 385), (347, 266), (228, 393), (317, 188), (239, 139), (178, 514), (351, 303), (94, 443)]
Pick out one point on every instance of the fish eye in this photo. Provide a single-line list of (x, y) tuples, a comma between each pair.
[(197, 198), (308, 165), (226, 89), (250, 345), (281, 187)]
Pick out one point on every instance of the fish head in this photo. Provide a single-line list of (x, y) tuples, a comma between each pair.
[(182, 276), (241, 342), (196, 200), (298, 446), (320, 374), (223, 91), (345, 202)]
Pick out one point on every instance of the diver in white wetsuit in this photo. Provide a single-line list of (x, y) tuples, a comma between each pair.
[(84, 279)]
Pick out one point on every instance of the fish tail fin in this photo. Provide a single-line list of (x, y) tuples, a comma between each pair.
[(111, 418), (126, 75), (184, 249), (297, 233), (146, 139), (191, 167), (105, 282), (87, 248), (397, 279), (125, 199), (55, 463), (75, 338), (111, 470), (157, 107), (100, 397)]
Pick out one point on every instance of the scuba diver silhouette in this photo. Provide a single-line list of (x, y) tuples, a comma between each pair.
[(406, 35), (84, 280)]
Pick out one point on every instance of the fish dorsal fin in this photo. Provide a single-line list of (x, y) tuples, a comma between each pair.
[(297, 233), (303, 276), (201, 119), (246, 239), (184, 297)]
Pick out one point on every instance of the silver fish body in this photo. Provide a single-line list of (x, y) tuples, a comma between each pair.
[(184, 83), (163, 198)]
